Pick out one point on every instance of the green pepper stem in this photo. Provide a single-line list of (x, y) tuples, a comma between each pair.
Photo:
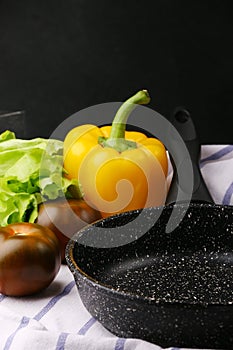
[(117, 135)]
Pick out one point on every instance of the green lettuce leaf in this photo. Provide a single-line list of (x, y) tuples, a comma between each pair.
[(31, 171)]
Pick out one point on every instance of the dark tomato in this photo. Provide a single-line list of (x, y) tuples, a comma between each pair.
[(65, 218), (30, 258)]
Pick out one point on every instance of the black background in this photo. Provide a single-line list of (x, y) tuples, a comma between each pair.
[(57, 57)]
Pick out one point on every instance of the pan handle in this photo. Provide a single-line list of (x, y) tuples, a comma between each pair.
[(183, 123)]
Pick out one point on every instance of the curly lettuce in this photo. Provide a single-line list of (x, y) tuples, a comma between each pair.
[(31, 172)]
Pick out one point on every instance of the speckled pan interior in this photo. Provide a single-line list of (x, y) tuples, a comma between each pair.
[(187, 265), (179, 279)]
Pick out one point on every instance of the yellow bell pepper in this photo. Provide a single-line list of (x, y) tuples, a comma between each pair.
[(118, 170)]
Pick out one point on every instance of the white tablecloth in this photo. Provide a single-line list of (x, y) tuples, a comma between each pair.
[(57, 319)]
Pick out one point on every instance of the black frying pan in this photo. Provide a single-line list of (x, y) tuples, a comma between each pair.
[(169, 287)]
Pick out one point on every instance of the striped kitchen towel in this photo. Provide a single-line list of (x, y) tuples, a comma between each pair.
[(56, 318), (217, 169)]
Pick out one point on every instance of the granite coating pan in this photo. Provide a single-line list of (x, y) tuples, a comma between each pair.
[(172, 289)]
